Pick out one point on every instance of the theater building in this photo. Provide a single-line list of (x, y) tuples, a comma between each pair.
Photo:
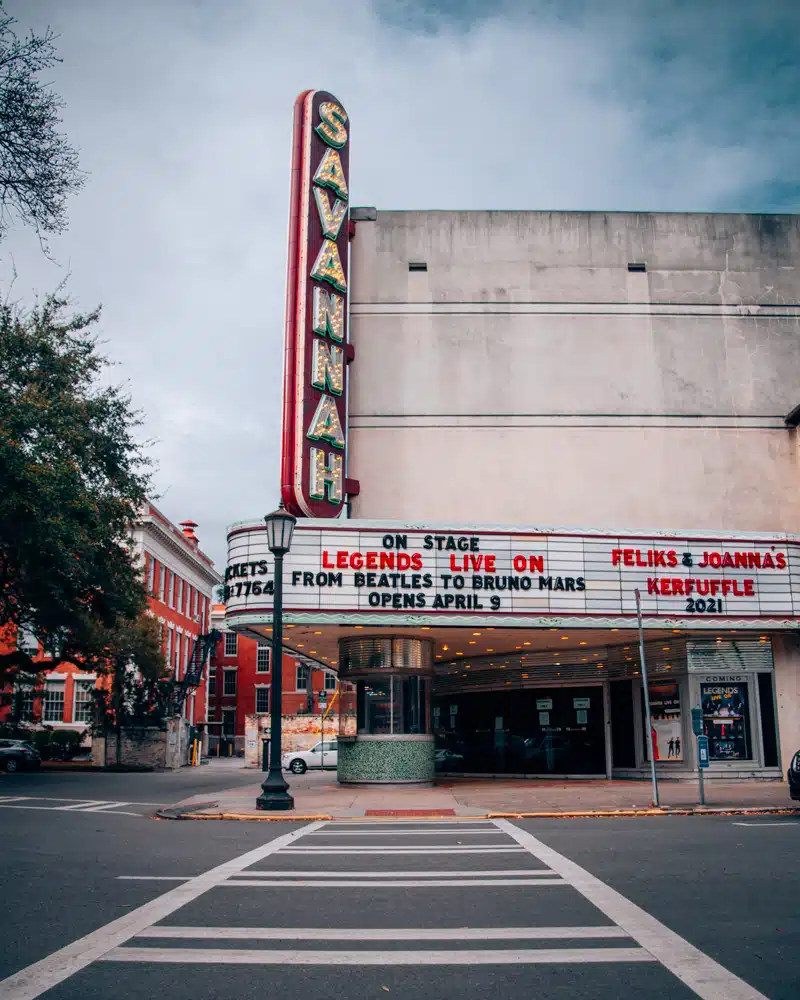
[(498, 427)]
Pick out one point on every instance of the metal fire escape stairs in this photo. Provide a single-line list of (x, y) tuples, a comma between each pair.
[(203, 647)]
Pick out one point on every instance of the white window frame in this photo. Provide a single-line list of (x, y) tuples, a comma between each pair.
[(151, 573), (180, 594), (170, 631), (173, 591), (235, 637), (82, 684), (191, 601), (329, 684), (162, 581), (262, 647), (225, 674), (307, 674), (259, 689), (58, 686)]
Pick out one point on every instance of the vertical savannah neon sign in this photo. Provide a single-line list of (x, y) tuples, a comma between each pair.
[(316, 353)]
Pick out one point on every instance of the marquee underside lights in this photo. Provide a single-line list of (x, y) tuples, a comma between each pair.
[(314, 452)]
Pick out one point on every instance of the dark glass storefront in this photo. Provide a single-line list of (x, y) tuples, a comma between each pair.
[(539, 731)]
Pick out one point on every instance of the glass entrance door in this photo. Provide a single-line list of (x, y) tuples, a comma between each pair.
[(541, 731)]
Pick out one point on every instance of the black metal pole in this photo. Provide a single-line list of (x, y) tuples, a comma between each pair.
[(275, 790)]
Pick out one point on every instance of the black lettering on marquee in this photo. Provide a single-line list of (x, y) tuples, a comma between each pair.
[(451, 543)]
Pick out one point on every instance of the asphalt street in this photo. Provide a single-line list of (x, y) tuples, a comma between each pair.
[(116, 903)]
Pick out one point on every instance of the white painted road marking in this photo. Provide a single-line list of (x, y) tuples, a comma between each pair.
[(532, 956), (405, 850), (786, 822), (707, 978), (323, 877), (44, 975), (75, 806), (505, 872), (115, 812), (384, 933), (393, 884), (405, 833), (156, 878), (653, 941)]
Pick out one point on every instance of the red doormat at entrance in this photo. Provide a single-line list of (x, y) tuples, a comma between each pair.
[(410, 812)]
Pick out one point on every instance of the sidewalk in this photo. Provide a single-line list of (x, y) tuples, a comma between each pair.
[(318, 794)]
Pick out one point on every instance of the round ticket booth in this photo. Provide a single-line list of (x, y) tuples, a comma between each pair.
[(387, 739)]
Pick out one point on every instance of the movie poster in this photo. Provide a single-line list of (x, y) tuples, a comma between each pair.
[(665, 717)]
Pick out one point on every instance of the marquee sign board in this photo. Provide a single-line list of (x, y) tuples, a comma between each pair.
[(316, 353), (386, 572)]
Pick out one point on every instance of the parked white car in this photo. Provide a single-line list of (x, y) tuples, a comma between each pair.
[(323, 754)]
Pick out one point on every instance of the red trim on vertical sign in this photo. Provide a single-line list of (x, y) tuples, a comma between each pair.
[(289, 374), (300, 398)]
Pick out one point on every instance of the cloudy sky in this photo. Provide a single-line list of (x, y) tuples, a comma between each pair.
[(182, 112)]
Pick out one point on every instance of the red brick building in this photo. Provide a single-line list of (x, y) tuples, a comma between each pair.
[(180, 579), (241, 681)]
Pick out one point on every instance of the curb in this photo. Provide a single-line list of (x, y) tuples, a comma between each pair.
[(191, 813), (667, 811)]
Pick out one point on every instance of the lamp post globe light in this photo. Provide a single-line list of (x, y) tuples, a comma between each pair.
[(275, 790)]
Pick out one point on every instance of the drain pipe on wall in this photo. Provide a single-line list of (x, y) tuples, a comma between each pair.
[(649, 734)]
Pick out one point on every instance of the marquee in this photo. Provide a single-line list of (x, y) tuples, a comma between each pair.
[(385, 572)]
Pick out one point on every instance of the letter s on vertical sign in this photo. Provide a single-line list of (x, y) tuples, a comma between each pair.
[(314, 438)]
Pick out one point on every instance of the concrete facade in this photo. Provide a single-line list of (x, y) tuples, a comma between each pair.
[(547, 384), (608, 371)]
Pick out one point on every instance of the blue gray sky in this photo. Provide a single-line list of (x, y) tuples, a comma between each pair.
[(182, 112)]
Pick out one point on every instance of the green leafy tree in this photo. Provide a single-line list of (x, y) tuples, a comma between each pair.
[(140, 687), (38, 167), (72, 480)]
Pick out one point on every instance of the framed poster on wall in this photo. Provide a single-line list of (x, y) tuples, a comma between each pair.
[(666, 731), (726, 720)]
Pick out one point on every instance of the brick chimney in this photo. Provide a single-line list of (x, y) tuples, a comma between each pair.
[(188, 531)]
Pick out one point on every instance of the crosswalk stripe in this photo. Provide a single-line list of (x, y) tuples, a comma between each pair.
[(483, 873), (402, 850), (384, 933), (391, 884), (469, 956), (407, 833)]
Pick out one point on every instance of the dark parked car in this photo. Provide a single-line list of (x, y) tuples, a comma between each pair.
[(17, 755), (793, 775)]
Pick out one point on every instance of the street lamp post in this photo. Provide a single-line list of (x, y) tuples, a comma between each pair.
[(275, 790)]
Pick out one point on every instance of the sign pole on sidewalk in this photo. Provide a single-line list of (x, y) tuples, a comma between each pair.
[(702, 751), (647, 699)]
